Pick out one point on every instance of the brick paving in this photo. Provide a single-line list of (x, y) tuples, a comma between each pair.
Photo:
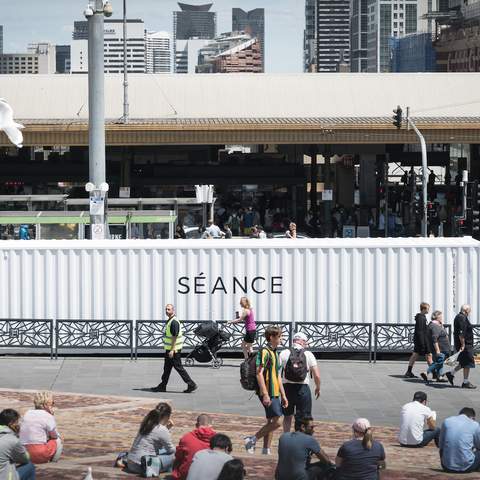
[(97, 427)]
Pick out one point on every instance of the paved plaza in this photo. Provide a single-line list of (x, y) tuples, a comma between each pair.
[(101, 402)]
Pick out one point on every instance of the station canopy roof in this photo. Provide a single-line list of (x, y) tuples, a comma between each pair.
[(249, 108)]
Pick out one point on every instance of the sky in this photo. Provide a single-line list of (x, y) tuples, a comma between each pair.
[(31, 21)]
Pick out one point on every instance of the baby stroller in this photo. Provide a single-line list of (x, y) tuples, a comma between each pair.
[(213, 340)]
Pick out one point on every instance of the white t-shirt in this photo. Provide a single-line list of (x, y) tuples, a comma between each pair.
[(413, 418), (36, 427), (311, 362)]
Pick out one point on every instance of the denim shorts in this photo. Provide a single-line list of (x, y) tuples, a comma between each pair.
[(274, 409)]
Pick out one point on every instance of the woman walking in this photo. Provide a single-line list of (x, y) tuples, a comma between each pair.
[(248, 317)]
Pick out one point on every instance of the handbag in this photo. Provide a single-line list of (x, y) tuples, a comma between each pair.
[(151, 466), (452, 360)]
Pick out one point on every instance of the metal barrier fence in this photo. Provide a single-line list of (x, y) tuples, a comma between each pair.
[(94, 334), (144, 335), (396, 338), (149, 334), (27, 333)]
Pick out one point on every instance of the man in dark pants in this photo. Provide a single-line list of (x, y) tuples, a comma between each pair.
[(463, 340), (420, 344), (173, 343)]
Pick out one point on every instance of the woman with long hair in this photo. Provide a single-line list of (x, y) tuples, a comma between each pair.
[(153, 440), (361, 457), (248, 317)]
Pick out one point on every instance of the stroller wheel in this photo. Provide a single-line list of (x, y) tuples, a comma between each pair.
[(217, 362), (189, 361)]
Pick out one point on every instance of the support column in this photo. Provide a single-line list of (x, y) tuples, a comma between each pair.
[(313, 183)]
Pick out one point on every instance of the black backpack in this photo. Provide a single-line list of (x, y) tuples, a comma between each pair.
[(296, 369), (248, 373)]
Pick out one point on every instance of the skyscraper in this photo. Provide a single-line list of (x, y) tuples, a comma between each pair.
[(327, 34), (113, 46), (194, 21), (231, 52), (192, 25), (253, 24), (358, 35), (309, 37), (393, 18), (1, 39), (159, 52), (62, 53)]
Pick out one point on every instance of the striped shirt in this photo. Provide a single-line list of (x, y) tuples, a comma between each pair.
[(267, 358)]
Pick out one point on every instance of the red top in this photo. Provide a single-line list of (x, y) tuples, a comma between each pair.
[(189, 445)]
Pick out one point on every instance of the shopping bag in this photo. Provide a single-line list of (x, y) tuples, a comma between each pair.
[(452, 360)]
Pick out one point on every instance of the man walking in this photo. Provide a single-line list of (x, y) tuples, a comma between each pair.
[(420, 344), (463, 340), (298, 364), (270, 390), (173, 343)]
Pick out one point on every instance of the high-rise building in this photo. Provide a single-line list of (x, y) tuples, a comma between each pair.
[(1, 39), (327, 35), (113, 46), (310, 37), (358, 35), (39, 59), (253, 24), (231, 53), (159, 52), (413, 53), (62, 58), (393, 18), (186, 55), (194, 21), (192, 26)]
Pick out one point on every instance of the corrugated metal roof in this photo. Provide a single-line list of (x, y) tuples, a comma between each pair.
[(219, 98)]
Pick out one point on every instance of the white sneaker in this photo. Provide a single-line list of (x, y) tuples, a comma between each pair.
[(266, 451), (249, 444)]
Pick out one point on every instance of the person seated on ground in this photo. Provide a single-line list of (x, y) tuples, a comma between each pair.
[(233, 470), (414, 416), (207, 464), (14, 459), (459, 443), (190, 444), (153, 439), (361, 457), (295, 450), (38, 431)]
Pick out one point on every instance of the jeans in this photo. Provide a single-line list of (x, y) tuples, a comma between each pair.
[(166, 461), (428, 436), (176, 363), (26, 471)]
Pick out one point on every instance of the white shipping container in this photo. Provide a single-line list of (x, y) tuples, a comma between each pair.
[(314, 280)]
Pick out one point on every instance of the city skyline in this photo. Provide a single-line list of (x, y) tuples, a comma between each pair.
[(284, 24)]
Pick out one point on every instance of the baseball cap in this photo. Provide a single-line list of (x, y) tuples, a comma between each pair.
[(361, 425), (300, 336)]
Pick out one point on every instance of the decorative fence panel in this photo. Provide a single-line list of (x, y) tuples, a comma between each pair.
[(94, 334), (395, 338), (27, 334)]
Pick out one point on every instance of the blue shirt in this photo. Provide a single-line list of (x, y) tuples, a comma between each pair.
[(459, 437)]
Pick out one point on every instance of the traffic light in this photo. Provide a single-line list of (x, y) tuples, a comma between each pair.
[(475, 199), (397, 117)]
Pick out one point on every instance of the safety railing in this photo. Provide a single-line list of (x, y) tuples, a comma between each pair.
[(27, 333), (93, 335), (88, 336), (396, 338)]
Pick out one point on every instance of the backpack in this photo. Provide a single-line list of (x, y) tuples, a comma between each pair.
[(248, 373), (296, 369)]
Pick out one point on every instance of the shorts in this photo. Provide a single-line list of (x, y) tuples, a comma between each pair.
[(299, 400), (466, 359), (421, 349), (42, 453), (250, 336), (274, 409)]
